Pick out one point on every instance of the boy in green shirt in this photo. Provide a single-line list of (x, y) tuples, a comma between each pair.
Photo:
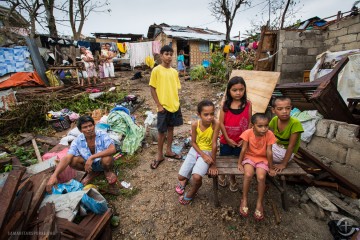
[(287, 131)]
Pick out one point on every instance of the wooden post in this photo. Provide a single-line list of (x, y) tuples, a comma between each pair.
[(215, 188), (37, 152)]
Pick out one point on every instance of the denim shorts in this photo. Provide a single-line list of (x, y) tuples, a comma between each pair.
[(194, 164), (167, 119), (227, 150)]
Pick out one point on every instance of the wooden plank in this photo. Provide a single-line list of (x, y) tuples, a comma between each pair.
[(11, 225), (259, 87), (25, 140), (37, 152), (331, 171), (8, 193), (71, 228), (48, 140), (102, 221)]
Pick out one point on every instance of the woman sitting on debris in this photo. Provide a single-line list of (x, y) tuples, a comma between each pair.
[(88, 59), (201, 157)]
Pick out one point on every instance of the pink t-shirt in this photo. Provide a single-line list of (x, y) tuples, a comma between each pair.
[(256, 150)]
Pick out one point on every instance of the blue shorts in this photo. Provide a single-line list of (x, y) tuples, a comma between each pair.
[(96, 166), (226, 150)]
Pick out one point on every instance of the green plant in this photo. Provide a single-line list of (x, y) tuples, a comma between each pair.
[(26, 156), (8, 167), (218, 68), (197, 73)]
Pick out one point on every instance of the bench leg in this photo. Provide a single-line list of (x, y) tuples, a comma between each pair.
[(284, 196), (215, 188)]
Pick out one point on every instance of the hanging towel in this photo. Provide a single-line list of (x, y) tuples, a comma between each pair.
[(121, 47), (156, 46), (150, 62), (139, 52)]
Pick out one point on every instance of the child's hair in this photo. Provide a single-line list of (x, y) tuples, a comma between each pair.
[(166, 48), (181, 52), (229, 99), (204, 103), (280, 98), (257, 116)]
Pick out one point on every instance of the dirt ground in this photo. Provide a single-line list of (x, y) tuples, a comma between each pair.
[(155, 213)]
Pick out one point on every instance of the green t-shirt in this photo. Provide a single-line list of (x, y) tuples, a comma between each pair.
[(283, 137)]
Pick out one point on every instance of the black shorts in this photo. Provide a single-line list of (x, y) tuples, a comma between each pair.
[(167, 119)]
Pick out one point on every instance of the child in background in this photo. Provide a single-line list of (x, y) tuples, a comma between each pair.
[(101, 63), (256, 155), (234, 120), (181, 63), (201, 156), (287, 131)]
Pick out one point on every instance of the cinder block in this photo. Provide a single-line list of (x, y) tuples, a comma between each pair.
[(281, 36), (333, 33), (322, 128), (349, 21), (348, 172), (291, 35), (313, 51), (297, 43), (347, 134), (354, 28), (336, 48), (352, 45), (347, 38), (353, 158), (288, 43), (323, 146), (358, 37), (297, 51), (333, 129)]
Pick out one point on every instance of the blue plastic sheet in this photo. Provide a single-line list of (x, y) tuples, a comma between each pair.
[(94, 201), (70, 186)]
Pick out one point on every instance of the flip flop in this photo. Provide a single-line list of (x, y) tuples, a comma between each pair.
[(155, 164), (258, 215), (244, 211), (185, 200), (175, 156)]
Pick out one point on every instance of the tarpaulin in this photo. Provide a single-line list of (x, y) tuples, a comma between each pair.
[(15, 59), (22, 79)]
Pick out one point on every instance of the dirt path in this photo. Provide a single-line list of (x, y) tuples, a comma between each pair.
[(154, 213)]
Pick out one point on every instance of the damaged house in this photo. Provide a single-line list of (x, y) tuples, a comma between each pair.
[(13, 27), (196, 42)]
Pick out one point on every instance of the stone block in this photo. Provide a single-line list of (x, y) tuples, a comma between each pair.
[(322, 128), (297, 51), (333, 129), (352, 45), (347, 134), (297, 43), (358, 37), (337, 32), (348, 172), (291, 35), (353, 158), (310, 35), (354, 28), (313, 51), (288, 44), (336, 48), (326, 148), (346, 22), (347, 38), (281, 36)]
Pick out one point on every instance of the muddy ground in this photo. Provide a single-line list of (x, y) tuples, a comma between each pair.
[(155, 213)]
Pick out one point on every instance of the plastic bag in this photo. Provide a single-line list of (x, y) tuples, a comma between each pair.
[(70, 186), (94, 202)]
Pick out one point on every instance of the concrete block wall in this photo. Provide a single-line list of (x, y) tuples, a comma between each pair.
[(338, 145), (297, 52), (343, 35), (196, 57)]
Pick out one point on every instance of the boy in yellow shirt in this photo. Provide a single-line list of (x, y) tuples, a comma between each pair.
[(164, 86)]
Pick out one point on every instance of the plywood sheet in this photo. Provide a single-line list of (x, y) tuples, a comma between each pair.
[(259, 85)]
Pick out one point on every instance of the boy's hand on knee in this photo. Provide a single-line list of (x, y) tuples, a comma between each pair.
[(272, 172), (232, 143), (241, 167), (279, 167), (88, 164)]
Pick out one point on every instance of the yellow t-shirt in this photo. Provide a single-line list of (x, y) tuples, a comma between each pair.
[(204, 138), (227, 49), (166, 82)]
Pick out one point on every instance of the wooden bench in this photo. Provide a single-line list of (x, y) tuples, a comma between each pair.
[(228, 165)]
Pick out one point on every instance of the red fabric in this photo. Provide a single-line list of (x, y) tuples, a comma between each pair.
[(27, 79), (235, 124)]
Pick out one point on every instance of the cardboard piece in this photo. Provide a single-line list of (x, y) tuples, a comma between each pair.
[(260, 86)]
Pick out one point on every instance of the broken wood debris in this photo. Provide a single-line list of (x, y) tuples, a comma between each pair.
[(20, 200)]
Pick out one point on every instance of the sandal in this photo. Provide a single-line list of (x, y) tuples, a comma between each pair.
[(89, 177), (185, 200), (180, 189), (156, 163), (110, 177), (233, 187), (174, 156), (222, 182), (258, 215), (244, 211)]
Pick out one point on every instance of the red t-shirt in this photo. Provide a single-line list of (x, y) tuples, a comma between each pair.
[(235, 124)]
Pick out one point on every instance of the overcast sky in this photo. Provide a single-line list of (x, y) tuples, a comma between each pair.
[(135, 16)]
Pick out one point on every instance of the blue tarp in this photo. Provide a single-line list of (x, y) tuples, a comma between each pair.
[(15, 59)]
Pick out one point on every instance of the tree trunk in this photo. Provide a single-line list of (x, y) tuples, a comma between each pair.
[(283, 16), (49, 10)]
